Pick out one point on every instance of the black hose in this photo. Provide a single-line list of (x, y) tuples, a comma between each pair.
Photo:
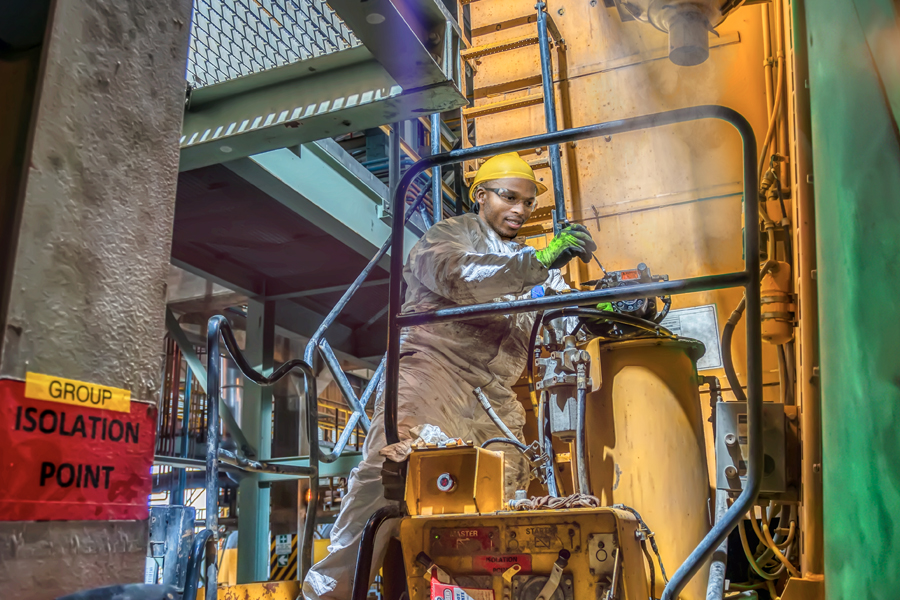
[(652, 569), (727, 361), (532, 344), (544, 437), (649, 534), (610, 317), (367, 549), (192, 572), (504, 440)]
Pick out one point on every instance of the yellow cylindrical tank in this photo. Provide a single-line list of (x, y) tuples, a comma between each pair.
[(646, 445)]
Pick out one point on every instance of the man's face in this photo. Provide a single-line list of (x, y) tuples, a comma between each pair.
[(506, 204)]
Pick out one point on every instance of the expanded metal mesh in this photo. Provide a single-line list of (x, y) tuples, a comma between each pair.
[(232, 38)]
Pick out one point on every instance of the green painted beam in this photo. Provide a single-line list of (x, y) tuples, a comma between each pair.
[(321, 187), (341, 467), (301, 102), (856, 161), (256, 416)]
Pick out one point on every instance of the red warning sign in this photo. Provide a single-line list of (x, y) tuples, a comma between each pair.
[(62, 462)]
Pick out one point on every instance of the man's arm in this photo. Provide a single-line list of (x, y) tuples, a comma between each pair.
[(446, 262)]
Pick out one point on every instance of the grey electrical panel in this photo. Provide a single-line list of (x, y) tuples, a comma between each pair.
[(732, 447)]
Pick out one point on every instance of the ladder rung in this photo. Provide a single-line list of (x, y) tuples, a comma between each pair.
[(474, 112), (543, 162), (502, 46), (502, 25)]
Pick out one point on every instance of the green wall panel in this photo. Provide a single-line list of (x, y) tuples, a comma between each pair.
[(856, 160)]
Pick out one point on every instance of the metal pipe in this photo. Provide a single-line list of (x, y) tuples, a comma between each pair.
[(220, 327), (715, 589), (581, 467), (394, 141), (559, 196), (192, 572), (437, 192), (547, 444), (749, 279), (213, 383), (369, 392), (367, 549), (812, 551), (590, 298), (252, 466), (178, 496), (334, 365)]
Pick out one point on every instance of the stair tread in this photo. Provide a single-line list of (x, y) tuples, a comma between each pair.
[(502, 46), (503, 105)]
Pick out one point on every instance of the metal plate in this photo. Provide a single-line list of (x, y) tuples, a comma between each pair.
[(544, 538)]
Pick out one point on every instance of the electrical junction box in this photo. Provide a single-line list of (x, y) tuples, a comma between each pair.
[(732, 447), (462, 479)]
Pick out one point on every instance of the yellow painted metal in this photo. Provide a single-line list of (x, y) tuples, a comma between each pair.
[(478, 550), (228, 566), (668, 197), (476, 52), (811, 587), (266, 590), (647, 449), (504, 105), (477, 475)]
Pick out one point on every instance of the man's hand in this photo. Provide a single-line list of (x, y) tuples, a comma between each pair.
[(574, 240)]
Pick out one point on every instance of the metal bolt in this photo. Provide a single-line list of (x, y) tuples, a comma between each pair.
[(817, 468), (561, 12), (593, 3), (730, 439), (730, 472)]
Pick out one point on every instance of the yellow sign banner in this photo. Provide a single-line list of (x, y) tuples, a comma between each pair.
[(79, 393)]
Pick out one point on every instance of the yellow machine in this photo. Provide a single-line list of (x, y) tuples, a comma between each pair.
[(511, 554)]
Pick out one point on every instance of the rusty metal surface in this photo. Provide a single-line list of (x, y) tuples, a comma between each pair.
[(266, 590)]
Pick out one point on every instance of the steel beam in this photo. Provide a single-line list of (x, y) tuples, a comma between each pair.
[(319, 186), (301, 102), (403, 36)]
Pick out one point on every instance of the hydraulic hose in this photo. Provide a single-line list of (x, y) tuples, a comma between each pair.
[(727, 361), (502, 440), (486, 404)]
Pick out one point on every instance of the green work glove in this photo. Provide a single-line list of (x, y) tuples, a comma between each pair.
[(574, 240)]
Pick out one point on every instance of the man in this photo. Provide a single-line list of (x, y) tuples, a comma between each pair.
[(461, 260)]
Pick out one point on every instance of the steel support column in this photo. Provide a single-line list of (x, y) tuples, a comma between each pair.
[(256, 417)]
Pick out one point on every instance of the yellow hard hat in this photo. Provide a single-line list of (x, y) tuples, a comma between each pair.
[(503, 166)]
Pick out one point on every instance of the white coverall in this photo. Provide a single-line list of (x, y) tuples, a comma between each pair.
[(459, 261)]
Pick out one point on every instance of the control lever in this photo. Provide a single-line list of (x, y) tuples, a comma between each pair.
[(555, 576)]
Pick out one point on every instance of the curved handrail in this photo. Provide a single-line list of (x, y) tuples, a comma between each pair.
[(219, 327), (749, 278)]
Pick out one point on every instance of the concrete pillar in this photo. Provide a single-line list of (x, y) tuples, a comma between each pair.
[(85, 295)]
